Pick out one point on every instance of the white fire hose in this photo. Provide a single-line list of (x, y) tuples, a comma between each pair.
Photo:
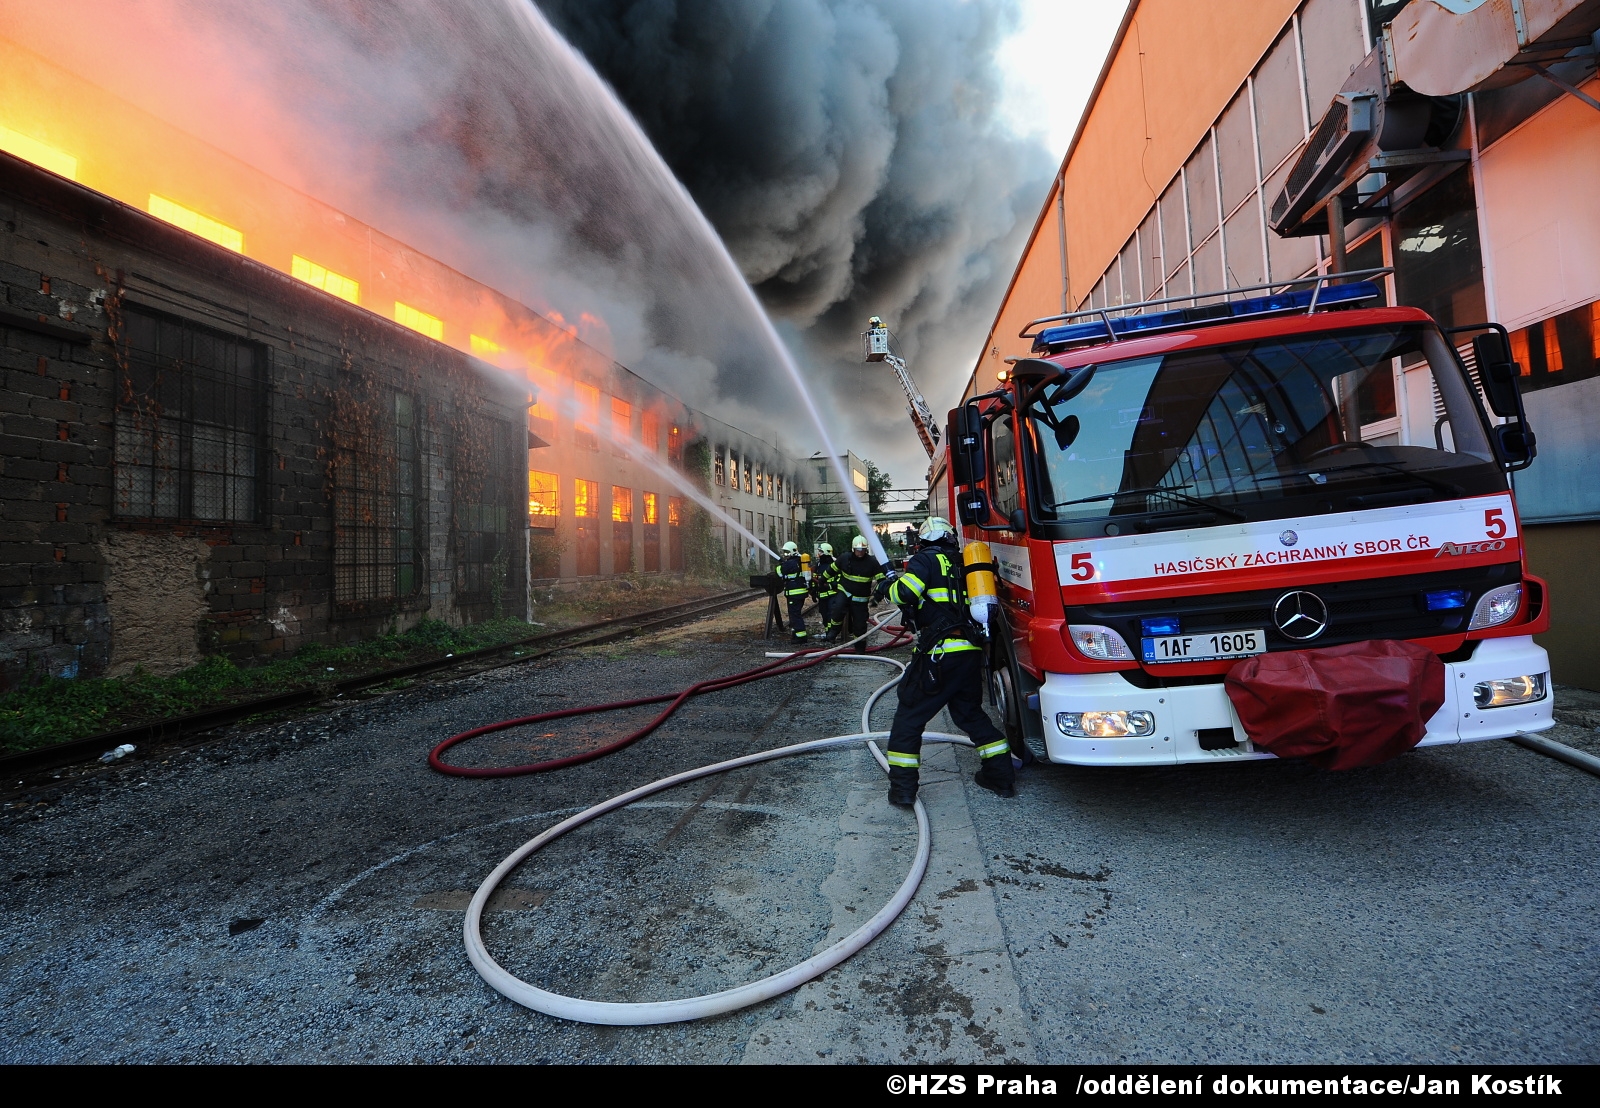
[(729, 1000)]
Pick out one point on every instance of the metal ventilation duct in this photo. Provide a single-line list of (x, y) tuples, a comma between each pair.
[(1373, 126), (1442, 47)]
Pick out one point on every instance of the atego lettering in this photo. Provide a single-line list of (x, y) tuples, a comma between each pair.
[(1470, 547)]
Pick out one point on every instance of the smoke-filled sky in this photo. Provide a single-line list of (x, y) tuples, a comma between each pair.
[(858, 157)]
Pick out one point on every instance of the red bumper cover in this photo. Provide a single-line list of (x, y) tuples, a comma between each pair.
[(1339, 707)]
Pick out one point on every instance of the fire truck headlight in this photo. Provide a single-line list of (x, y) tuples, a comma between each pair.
[(1100, 643), (1509, 691), (1496, 607), (1106, 725)]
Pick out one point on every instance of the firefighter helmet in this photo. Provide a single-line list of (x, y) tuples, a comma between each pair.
[(858, 545), (936, 529), (790, 548), (825, 548)]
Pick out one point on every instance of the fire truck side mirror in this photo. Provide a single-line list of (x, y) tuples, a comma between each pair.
[(972, 506), (1517, 444), (966, 440), (1498, 374)]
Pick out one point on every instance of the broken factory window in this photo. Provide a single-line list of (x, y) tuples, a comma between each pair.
[(188, 422)]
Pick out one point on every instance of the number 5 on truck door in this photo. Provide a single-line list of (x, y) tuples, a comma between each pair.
[(1493, 525), (1083, 566)]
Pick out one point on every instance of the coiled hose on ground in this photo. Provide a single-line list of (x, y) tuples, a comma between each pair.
[(728, 1000)]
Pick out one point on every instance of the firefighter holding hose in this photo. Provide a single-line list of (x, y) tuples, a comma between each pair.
[(792, 580), (859, 574), (825, 587), (946, 669)]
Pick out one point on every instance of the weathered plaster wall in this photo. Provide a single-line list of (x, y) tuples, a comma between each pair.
[(156, 596)]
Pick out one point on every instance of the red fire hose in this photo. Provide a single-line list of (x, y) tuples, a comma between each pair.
[(778, 668)]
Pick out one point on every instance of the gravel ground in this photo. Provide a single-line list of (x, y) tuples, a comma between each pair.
[(295, 893)]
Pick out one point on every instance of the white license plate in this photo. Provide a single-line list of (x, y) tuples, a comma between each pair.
[(1205, 647)]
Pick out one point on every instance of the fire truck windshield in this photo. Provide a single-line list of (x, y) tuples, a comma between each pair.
[(1291, 425)]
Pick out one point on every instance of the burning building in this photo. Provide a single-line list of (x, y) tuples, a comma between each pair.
[(234, 419)]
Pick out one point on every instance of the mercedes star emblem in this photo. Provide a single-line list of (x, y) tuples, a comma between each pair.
[(1300, 615), (1288, 538)]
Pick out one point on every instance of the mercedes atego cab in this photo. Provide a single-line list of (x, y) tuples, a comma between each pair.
[(1170, 491)]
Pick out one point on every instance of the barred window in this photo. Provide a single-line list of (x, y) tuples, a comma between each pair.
[(484, 507), (378, 539), (717, 467), (188, 422)]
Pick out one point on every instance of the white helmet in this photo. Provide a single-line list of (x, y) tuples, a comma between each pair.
[(935, 529), (790, 548), (825, 548), (858, 544)]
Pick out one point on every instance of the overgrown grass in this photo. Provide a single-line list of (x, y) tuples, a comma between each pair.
[(59, 710)]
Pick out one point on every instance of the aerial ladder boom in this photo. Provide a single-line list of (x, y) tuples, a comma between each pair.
[(876, 346)]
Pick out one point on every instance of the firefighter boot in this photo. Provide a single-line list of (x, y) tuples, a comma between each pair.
[(902, 786), (997, 774)]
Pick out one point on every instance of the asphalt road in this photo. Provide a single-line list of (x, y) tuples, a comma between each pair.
[(295, 893)]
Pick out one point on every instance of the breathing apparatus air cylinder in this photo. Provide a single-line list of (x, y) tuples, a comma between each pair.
[(805, 566), (978, 561)]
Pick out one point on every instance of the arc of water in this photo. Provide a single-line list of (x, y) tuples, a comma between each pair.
[(649, 160)]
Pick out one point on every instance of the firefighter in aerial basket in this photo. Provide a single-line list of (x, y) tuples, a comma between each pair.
[(792, 580), (859, 574), (946, 669), (825, 587)]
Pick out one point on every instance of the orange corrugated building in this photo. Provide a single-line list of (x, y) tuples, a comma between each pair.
[(1220, 136)]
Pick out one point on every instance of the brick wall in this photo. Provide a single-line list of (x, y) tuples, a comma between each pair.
[(84, 588)]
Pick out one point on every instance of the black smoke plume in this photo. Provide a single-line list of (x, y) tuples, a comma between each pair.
[(849, 154)]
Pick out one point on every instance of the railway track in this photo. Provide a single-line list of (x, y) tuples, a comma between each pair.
[(471, 662)]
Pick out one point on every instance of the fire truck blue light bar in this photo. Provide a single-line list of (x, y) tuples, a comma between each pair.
[(1329, 296)]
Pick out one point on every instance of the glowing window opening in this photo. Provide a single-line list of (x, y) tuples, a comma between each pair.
[(621, 504), (485, 348), (587, 399), (188, 219), (419, 321), (621, 419), (335, 284), (674, 510), (584, 494), (651, 516), (544, 498), (30, 149)]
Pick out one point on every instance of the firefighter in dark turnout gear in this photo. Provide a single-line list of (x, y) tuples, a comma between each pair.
[(859, 574), (791, 579), (946, 669), (825, 587)]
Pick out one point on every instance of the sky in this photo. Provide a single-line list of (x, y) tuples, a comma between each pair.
[(1049, 65)]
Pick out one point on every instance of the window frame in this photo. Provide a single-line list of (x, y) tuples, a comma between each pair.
[(256, 402)]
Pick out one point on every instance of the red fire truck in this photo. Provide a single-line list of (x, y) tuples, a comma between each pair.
[(1170, 490)]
